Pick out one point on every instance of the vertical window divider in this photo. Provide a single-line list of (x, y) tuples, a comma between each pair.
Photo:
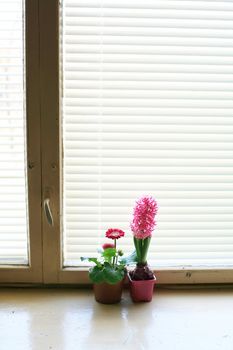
[(33, 135), (50, 140)]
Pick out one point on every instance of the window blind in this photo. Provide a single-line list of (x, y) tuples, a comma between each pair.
[(13, 222), (148, 109)]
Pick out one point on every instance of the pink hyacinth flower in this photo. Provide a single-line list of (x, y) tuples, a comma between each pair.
[(143, 222)]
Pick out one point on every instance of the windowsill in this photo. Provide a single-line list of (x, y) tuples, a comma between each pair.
[(203, 275), (67, 319)]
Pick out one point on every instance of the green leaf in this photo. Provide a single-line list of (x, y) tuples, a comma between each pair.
[(94, 260), (96, 274), (138, 248), (109, 252), (129, 259), (112, 275), (83, 258), (145, 247)]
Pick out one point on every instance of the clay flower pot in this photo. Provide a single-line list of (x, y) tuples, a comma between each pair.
[(106, 293), (141, 290)]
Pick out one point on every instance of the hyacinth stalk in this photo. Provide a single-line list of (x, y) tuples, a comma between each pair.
[(142, 247), (142, 226)]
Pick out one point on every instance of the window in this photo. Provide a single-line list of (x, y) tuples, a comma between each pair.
[(13, 222), (142, 105), (20, 180), (148, 109)]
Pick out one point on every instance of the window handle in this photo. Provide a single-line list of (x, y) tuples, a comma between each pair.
[(48, 212)]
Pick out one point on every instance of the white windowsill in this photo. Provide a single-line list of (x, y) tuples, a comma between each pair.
[(70, 319)]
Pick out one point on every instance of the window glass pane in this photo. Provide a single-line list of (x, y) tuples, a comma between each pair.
[(13, 194), (148, 109)]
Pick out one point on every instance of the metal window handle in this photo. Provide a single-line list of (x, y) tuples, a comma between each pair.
[(48, 212)]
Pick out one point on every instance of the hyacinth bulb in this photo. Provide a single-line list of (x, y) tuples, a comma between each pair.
[(143, 222)]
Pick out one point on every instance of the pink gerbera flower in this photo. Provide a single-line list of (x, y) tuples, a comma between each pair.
[(108, 245), (114, 233)]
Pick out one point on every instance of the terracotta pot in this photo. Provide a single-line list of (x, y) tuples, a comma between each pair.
[(141, 290), (106, 293)]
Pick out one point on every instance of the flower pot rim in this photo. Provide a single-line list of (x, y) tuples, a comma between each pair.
[(141, 281)]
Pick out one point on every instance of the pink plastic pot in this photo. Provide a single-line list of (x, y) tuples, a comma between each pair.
[(141, 290)]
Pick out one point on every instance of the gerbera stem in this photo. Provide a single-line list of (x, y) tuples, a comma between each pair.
[(114, 258)]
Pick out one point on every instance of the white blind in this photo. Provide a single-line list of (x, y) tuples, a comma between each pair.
[(148, 109), (13, 222)]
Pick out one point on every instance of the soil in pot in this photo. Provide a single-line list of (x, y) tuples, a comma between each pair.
[(106, 293), (141, 272)]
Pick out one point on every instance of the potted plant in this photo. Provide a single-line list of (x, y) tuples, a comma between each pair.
[(109, 270), (142, 279)]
